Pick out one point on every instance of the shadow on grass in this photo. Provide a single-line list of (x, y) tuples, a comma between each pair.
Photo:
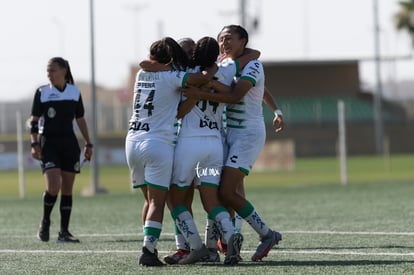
[(123, 241), (352, 247), (327, 263), (136, 240)]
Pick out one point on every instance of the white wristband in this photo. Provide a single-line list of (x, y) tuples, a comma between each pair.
[(278, 113)]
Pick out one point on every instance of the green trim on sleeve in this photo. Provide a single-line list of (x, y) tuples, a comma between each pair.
[(184, 81), (250, 79), (236, 62)]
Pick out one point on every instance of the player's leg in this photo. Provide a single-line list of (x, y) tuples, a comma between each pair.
[(221, 217), (186, 224), (181, 194), (229, 194), (153, 226), (158, 159), (136, 169), (182, 246)]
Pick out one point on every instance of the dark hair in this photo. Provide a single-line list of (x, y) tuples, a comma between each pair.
[(161, 52), (179, 56), (187, 44), (166, 51), (205, 53), (237, 29), (63, 63), (185, 40)]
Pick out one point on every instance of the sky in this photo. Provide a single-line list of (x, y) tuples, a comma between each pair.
[(31, 32)]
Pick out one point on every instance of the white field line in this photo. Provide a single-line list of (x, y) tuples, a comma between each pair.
[(276, 251), (351, 233), (321, 232)]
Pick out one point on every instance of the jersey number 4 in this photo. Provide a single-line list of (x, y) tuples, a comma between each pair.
[(147, 104), (202, 104)]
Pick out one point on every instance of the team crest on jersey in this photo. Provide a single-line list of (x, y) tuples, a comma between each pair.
[(51, 112)]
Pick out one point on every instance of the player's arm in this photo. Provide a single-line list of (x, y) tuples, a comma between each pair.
[(198, 79), (237, 93), (278, 123), (218, 86), (154, 66), (185, 107), (248, 55)]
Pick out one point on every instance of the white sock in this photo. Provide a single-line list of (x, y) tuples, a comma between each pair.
[(238, 222), (181, 243), (212, 234), (188, 228), (223, 222), (152, 231), (257, 223)]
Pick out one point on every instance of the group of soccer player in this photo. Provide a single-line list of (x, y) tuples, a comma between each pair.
[(197, 122)]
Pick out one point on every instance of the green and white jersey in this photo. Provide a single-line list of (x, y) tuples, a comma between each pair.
[(155, 104), (248, 113), (205, 118)]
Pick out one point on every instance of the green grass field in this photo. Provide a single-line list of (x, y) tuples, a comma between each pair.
[(365, 227)]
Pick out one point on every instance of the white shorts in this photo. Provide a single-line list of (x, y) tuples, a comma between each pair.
[(150, 162), (244, 146), (198, 158)]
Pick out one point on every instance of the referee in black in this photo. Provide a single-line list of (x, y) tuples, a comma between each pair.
[(53, 142)]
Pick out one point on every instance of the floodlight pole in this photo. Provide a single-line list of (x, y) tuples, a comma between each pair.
[(378, 122), (242, 10), (411, 27), (95, 162)]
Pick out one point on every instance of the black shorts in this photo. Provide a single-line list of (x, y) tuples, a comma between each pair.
[(58, 152)]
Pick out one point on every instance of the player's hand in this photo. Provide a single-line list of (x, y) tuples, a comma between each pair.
[(191, 92), (278, 124)]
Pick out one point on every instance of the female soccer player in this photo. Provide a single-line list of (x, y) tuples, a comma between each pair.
[(149, 143), (193, 158), (245, 134)]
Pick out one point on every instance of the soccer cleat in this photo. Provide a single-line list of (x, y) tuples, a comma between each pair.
[(222, 247), (195, 255), (212, 257), (233, 249), (43, 233), (66, 237), (176, 256), (149, 259), (266, 243)]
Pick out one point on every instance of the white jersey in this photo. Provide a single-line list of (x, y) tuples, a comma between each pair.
[(205, 118), (155, 104), (248, 113), (199, 150)]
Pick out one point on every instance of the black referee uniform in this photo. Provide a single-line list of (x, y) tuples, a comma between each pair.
[(58, 109)]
